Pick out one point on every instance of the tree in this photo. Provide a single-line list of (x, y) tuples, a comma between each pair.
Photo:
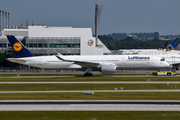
[(7, 64), (131, 43)]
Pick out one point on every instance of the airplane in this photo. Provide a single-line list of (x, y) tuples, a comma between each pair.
[(106, 64), (162, 49), (172, 46)]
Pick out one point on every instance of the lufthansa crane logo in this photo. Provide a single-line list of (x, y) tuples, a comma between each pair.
[(90, 42), (17, 46)]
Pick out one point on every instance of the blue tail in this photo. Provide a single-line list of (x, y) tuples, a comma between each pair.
[(19, 49), (175, 45), (169, 48), (163, 46), (173, 42)]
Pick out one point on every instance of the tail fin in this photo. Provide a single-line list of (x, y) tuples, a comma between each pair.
[(19, 49), (163, 46), (169, 48), (175, 45), (173, 42)]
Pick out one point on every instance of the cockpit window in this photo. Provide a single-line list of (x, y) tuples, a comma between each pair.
[(163, 59)]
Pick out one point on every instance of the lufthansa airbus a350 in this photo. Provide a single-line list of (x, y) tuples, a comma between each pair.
[(106, 64)]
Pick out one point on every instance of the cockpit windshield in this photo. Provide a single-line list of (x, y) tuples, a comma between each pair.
[(162, 59)]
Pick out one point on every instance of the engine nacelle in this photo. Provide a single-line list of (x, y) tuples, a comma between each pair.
[(108, 69)]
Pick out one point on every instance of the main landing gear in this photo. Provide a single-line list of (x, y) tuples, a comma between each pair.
[(88, 70), (88, 74)]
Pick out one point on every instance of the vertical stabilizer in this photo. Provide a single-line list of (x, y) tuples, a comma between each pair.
[(19, 49), (163, 46)]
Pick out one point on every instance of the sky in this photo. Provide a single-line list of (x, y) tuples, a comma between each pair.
[(118, 16)]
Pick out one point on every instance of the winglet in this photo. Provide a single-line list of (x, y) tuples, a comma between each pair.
[(19, 49), (59, 56)]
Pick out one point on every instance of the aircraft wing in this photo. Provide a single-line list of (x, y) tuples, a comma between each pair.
[(82, 63)]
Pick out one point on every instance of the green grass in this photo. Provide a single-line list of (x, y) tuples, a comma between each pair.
[(51, 87), (80, 96), (71, 79), (24, 73), (89, 115), (96, 96)]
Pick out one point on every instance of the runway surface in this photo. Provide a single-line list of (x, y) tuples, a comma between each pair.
[(89, 105), (128, 82), (77, 91)]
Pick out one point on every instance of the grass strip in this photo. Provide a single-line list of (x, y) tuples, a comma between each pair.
[(89, 115), (55, 87), (72, 79), (96, 96)]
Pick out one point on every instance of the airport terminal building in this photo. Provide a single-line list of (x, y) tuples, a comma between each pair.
[(43, 40)]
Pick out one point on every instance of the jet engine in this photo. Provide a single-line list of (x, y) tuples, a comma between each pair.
[(108, 69)]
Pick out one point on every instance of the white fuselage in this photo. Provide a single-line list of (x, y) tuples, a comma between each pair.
[(171, 59), (120, 61)]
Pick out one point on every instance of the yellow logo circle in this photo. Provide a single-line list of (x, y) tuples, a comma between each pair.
[(90, 42), (17, 46)]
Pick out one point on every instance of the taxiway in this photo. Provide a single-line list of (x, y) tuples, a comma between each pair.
[(88, 105)]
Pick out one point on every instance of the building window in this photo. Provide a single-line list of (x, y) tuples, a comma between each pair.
[(64, 45), (59, 45), (35, 45), (5, 45), (55, 45), (1, 44), (45, 45), (30, 45), (77, 45), (40, 45), (73, 45), (69, 45), (50, 45)]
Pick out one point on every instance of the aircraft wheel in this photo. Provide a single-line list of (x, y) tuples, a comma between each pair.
[(88, 74), (169, 74), (85, 74)]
